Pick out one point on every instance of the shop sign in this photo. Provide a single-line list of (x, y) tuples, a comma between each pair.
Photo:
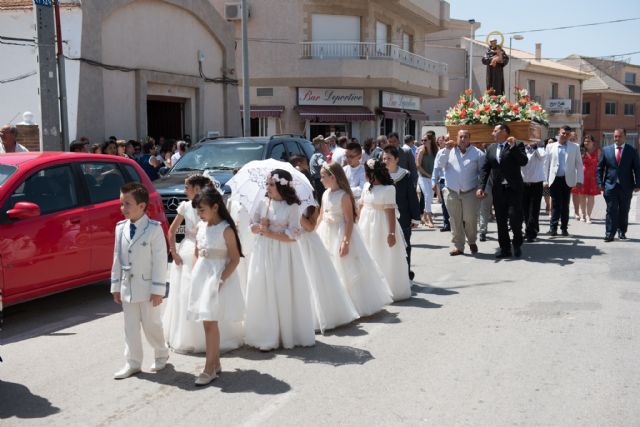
[(400, 101), (336, 97)]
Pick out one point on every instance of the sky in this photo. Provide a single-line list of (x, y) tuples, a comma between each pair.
[(517, 16)]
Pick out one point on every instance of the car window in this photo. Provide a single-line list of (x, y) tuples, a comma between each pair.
[(133, 173), (278, 152), (5, 172), (220, 156), (103, 181), (294, 149), (52, 189)]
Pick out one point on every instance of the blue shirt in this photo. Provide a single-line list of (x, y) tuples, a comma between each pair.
[(562, 159)]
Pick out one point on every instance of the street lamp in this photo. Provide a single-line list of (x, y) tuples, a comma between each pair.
[(514, 37), (471, 36)]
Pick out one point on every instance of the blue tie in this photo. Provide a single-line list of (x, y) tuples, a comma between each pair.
[(132, 230)]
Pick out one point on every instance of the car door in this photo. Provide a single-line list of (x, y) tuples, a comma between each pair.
[(295, 150), (279, 152), (102, 181), (44, 252)]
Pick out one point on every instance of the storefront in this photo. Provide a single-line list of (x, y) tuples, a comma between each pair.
[(337, 112), (265, 119), (401, 113)]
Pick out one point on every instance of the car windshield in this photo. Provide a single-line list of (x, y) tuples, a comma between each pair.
[(220, 156), (5, 172)]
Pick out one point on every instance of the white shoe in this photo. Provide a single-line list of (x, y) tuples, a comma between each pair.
[(159, 364), (125, 372), (204, 378)]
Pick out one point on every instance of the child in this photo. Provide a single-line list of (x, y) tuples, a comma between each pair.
[(215, 287), (183, 336), (331, 303), (138, 278), (278, 300), (367, 287), (381, 231)]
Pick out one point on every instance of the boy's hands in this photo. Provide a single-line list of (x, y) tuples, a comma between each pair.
[(117, 298), (156, 300)]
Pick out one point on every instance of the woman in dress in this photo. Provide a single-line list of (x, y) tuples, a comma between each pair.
[(215, 291), (331, 304), (182, 335), (583, 198), (381, 231), (278, 301), (365, 283)]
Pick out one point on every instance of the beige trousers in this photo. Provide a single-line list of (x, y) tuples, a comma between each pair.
[(146, 315), (463, 212)]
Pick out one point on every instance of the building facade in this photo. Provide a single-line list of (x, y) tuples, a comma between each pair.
[(134, 68), (358, 68)]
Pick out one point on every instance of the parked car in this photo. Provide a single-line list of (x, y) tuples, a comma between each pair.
[(220, 157), (57, 219)]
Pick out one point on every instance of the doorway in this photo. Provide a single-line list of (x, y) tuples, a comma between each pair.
[(326, 129), (165, 117)]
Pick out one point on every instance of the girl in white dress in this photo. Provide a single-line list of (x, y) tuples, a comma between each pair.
[(380, 229), (182, 335), (365, 283), (331, 304), (215, 290), (278, 301)]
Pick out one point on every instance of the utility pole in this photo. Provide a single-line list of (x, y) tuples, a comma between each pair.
[(62, 82), (471, 36), (50, 117), (246, 108)]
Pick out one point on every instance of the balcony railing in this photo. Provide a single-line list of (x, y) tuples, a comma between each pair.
[(356, 50)]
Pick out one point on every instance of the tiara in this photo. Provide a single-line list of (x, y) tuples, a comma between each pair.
[(371, 163), (282, 181)]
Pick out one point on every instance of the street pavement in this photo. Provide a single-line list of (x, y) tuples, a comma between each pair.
[(551, 338)]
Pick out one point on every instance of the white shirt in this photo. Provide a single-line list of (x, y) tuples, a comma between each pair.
[(437, 170), (175, 158), (19, 148), (533, 171), (339, 156), (462, 171), (357, 179)]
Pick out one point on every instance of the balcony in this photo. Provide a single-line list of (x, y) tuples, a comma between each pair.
[(370, 51)]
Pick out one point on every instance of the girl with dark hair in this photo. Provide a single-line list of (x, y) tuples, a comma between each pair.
[(278, 302), (215, 287), (381, 230), (363, 280), (183, 335)]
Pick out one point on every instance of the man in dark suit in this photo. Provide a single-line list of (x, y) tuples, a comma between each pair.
[(503, 162), (618, 177)]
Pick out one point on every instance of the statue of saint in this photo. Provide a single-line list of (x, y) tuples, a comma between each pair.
[(495, 59)]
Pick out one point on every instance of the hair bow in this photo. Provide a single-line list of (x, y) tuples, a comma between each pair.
[(371, 163), (282, 181)]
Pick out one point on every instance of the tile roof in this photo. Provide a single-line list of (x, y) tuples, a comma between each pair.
[(600, 80), (16, 4)]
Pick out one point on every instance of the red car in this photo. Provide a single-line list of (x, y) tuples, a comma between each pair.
[(58, 213)]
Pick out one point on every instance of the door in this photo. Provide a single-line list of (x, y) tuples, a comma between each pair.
[(44, 252), (165, 118)]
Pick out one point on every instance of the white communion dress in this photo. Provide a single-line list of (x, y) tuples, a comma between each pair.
[(358, 272), (374, 226), (278, 300), (331, 303)]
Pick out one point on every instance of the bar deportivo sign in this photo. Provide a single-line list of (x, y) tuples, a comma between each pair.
[(336, 97)]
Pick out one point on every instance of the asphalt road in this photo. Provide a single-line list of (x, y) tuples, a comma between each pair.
[(548, 339)]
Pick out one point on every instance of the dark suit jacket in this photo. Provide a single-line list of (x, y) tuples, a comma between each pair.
[(508, 168), (627, 173), (406, 161), (407, 201)]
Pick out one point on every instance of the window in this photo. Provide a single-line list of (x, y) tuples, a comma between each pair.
[(133, 174), (586, 107), (630, 78), (610, 108), (531, 88), (260, 126), (52, 189), (410, 127), (332, 31), (407, 42), (572, 99), (278, 152), (387, 126), (629, 109), (554, 90), (294, 149), (382, 39), (264, 91), (103, 181), (572, 92)]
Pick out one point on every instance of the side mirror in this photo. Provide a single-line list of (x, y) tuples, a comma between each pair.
[(24, 210)]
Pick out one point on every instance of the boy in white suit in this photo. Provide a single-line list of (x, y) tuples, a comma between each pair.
[(138, 278)]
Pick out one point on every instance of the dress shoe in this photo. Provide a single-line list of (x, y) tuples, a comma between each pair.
[(125, 372), (517, 251), (445, 229), (474, 248), (159, 364), (621, 235), (483, 237), (204, 378), (455, 252), (565, 233), (503, 254), (552, 232), (608, 238)]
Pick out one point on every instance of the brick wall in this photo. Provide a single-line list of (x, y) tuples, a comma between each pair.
[(29, 136)]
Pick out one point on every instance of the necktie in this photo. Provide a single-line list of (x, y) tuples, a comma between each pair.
[(618, 153), (503, 151), (132, 230)]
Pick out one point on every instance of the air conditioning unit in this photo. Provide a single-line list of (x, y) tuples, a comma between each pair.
[(233, 11)]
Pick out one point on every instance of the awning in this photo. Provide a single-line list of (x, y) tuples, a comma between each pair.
[(392, 113), (335, 114), (257, 111), (417, 115)]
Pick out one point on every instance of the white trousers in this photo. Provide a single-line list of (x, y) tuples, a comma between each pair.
[(146, 315), (427, 192)]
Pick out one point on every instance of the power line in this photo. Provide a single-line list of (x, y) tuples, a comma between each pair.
[(20, 77)]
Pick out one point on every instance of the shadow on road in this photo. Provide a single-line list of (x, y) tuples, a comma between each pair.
[(17, 401), (423, 288), (328, 354), (47, 316), (417, 302), (426, 246), (383, 316), (558, 251), (350, 330)]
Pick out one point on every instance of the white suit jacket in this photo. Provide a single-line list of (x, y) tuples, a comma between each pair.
[(573, 166), (139, 266)]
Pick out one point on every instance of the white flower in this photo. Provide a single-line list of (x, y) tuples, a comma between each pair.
[(371, 163)]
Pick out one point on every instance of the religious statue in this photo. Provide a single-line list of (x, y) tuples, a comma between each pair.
[(495, 59)]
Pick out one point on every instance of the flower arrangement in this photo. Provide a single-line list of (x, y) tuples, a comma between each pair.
[(494, 109)]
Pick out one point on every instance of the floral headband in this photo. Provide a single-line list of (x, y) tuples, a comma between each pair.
[(371, 163), (282, 181)]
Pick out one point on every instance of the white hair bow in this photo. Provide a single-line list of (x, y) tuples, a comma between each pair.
[(371, 163), (282, 181)]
